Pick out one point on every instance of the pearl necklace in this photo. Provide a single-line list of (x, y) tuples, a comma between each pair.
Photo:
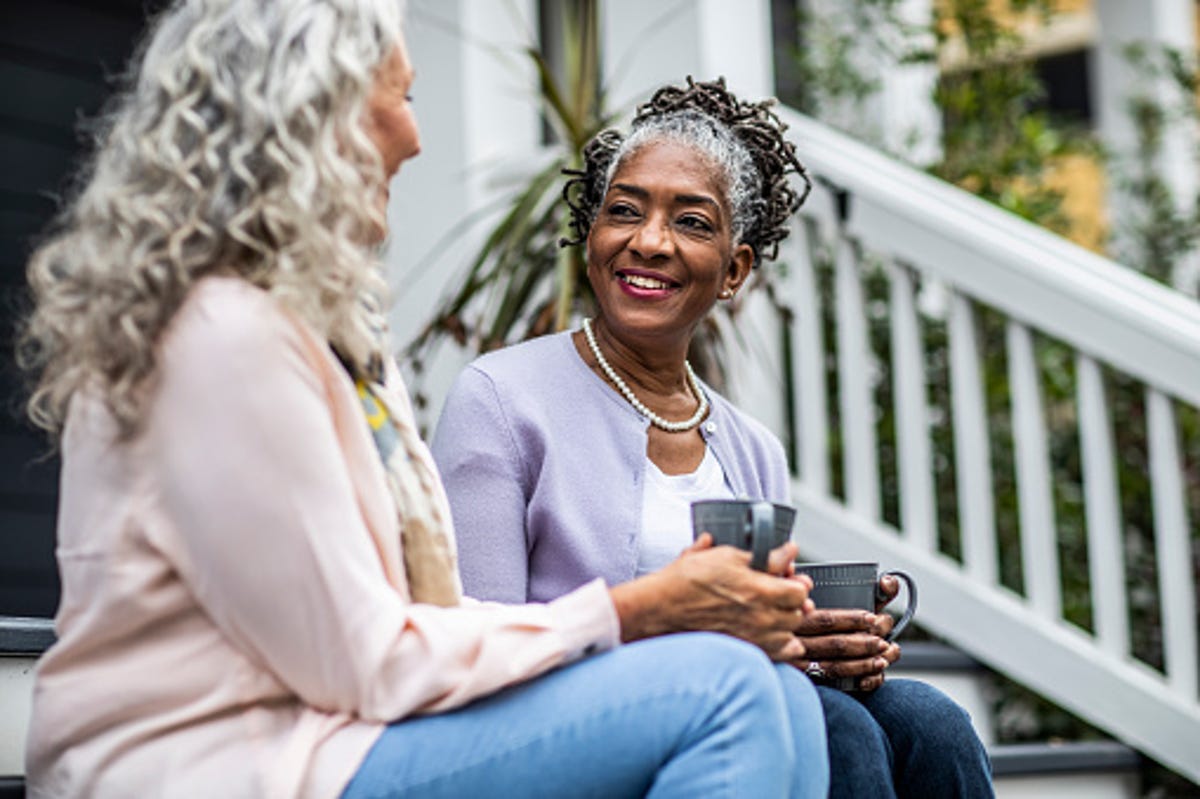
[(639, 406)]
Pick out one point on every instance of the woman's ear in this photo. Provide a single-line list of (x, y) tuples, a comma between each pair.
[(741, 262)]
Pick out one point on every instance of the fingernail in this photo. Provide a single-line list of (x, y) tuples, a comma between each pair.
[(881, 663)]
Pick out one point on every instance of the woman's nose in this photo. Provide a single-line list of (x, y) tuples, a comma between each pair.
[(653, 237)]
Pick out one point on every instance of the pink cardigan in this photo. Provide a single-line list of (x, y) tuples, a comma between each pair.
[(226, 628)]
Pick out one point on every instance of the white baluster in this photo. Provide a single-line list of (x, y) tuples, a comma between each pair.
[(1106, 557), (1177, 594), (918, 514), (808, 357), (972, 450), (1035, 500), (855, 368)]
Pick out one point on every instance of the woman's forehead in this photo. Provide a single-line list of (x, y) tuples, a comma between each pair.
[(672, 167)]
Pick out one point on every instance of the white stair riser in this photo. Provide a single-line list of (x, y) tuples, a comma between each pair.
[(16, 697), (1068, 786)]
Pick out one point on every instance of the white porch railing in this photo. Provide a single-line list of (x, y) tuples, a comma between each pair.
[(928, 243)]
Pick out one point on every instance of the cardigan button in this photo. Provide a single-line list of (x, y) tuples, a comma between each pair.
[(710, 427)]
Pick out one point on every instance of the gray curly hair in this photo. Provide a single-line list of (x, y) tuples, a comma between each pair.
[(743, 140), (235, 146)]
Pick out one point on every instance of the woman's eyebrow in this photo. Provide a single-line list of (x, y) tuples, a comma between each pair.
[(697, 199), (680, 199)]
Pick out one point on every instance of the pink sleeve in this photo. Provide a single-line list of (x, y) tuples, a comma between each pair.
[(260, 515)]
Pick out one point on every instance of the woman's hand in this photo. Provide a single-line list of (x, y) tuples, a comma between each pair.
[(848, 643), (852, 643), (714, 589)]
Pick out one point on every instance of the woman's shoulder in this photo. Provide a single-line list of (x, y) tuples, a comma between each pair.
[(527, 369), (225, 307), (541, 379), (227, 320), (527, 358)]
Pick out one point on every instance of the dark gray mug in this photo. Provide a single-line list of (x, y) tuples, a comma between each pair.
[(855, 586), (754, 525)]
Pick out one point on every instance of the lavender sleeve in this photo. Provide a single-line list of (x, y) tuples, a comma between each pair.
[(483, 471)]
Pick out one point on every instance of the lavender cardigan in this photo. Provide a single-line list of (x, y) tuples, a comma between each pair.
[(544, 462)]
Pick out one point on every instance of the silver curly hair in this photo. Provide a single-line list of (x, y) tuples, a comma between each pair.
[(703, 133), (235, 147)]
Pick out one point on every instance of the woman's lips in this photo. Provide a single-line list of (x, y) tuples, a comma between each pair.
[(646, 286)]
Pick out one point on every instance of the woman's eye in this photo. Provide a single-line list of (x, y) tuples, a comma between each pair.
[(622, 210), (697, 223)]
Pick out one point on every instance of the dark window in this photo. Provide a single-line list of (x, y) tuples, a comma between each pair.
[(1065, 79), (57, 60), (786, 35)]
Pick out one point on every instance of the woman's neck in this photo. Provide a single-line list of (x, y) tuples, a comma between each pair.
[(651, 365)]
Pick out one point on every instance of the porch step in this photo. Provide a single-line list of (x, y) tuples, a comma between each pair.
[(22, 641), (1066, 770), (12, 788), (1063, 770)]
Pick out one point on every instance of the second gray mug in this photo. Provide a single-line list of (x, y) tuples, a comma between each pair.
[(855, 586)]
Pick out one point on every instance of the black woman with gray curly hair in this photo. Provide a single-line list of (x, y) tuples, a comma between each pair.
[(260, 596), (577, 455)]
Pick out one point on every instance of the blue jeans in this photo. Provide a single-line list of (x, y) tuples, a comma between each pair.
[(907, 739), (689, 715)]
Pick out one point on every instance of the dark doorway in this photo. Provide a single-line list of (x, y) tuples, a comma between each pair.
[(58, 59)]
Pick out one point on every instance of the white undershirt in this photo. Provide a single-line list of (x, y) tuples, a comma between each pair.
[(667, 511)]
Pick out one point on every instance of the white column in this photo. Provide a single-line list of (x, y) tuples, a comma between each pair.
[(475, 104), (900, 115), (1153, 23), (911, 121), (650, 43)]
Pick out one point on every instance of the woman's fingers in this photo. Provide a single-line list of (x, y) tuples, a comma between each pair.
[(871, 683), (782, 560), (842, 647), (889, 586), (829, 622), (859, 669), (792, 649)]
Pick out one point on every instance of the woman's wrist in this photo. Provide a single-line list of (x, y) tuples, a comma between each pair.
[(639, 606)]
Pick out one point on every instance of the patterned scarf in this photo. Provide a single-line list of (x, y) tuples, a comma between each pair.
[(430, 562)]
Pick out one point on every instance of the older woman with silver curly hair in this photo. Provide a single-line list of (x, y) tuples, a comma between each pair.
[(576, 456), (260, 595)]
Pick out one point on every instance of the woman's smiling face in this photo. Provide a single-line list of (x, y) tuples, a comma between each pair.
[(661, 249)]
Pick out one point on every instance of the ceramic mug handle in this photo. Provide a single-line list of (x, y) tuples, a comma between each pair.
[(909, 611), (762, 530)]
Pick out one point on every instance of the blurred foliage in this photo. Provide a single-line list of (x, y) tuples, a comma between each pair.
[(996, 141), (1157, 231), (520, 283)]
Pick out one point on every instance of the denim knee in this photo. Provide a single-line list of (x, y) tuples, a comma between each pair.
[(937, 750), (741, 689), (916, 713), (860, 755), (721, 661)]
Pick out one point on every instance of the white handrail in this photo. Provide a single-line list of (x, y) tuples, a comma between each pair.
[(1007, 263)]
